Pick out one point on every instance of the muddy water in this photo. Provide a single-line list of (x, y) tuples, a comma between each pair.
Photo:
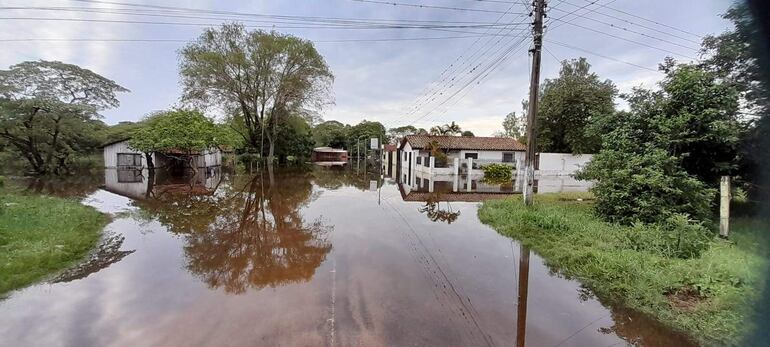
[(304, 258)]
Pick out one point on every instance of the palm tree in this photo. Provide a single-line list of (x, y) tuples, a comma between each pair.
[(446, 129)]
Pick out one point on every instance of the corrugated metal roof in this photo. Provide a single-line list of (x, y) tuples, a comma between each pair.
[(465, 142)]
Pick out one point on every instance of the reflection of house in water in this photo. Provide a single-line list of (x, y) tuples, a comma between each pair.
[(140, 184)]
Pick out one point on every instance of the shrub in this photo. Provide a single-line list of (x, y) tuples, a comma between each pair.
[(648, 187), (677, 237), (497, 173)]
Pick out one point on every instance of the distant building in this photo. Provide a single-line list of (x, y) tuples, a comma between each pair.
[(118, 155), (328, 154)]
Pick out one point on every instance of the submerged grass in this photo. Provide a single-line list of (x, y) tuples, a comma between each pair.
[(41, 235), (708, 297)]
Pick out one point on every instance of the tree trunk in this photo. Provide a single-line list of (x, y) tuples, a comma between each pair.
[(150, 164)]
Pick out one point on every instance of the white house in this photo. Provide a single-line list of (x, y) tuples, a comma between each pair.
[(415, 152), (119, 155)]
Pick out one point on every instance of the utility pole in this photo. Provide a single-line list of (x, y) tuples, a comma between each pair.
[(534, 87)]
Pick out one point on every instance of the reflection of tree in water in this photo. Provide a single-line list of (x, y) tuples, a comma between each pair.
[(249, 234), (106, 254), (335, 177), (76, 186), (433, 210)]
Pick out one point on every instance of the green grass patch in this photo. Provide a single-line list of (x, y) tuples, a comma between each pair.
[(41, 235), (707, 294)]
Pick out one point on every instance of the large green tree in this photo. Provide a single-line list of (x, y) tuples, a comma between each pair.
[(263, 78), (366, 130), (568, 104), (331, 133), (513, 126), (734, 56), (49, 112), (660, 158)]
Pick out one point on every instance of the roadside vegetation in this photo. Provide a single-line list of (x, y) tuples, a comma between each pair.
[(42, 235), (647, 238), (674, 271)]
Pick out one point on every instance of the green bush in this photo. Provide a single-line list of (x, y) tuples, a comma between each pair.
[(648, 187), (497, 173), (678, 237)]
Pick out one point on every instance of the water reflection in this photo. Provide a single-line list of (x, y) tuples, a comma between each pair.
[(107, 253), (240, 232), (435, 212), (386, 275)]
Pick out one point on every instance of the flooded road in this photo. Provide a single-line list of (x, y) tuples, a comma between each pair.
[(317, 257)]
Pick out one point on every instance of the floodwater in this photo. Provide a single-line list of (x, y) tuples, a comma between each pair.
[(304, 257)]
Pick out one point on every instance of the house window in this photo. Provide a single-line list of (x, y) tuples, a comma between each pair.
[(129, 176), (472, 155), (419, 160), (129, 159), (507, 157)]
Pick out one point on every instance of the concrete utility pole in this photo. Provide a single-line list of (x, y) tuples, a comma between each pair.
[(724, 207), (534, 87)]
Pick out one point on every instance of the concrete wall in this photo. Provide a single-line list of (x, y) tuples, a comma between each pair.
[(562, 164)]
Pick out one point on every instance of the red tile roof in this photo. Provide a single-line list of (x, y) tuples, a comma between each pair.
[(465, 142)]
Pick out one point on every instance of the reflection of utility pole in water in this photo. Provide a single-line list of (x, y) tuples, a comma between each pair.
[(521, 305)]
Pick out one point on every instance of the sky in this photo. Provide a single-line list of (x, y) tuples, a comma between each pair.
[(396, 82)]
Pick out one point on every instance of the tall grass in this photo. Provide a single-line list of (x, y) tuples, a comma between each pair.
[(41, 235), (706, 294)]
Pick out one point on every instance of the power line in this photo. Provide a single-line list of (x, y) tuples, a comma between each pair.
[(274, 18), (465, 9), (309, 26), (637, 24), (426, 96), (189, 40), (649, 20), (600, 55), (631, 31), (628, 40)]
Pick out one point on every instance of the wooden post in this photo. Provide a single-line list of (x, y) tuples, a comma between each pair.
[(724, 207)]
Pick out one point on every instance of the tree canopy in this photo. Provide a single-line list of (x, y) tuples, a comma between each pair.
[(179, 130), (331, 133), (513, 126), (262, 78), (49, 112), (446, 129), (658, 159), (568, 104)]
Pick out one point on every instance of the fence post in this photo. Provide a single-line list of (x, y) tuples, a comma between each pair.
[(470, 171), (432, 162), (724, 207)]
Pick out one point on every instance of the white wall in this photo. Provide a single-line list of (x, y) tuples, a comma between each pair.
[(111, 152), (562, 163), (134, 190)]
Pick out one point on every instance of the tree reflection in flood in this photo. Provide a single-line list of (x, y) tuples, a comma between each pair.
[(247, 235), (433, 210)]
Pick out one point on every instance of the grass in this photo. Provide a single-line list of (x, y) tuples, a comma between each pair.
[(42, 235), (708, 297)]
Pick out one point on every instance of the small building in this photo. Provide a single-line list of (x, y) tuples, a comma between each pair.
[(328, 154), (118, 155), (415, 151)]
